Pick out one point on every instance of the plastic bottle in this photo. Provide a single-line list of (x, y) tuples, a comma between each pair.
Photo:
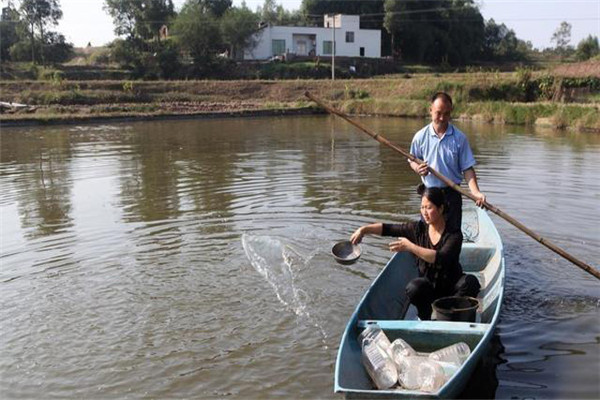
[(408, 372), (431, 376), (401, 349), (378, 364), (449, 368), (374, 332), (457, 353)]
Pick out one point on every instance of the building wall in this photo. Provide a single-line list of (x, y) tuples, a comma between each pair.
[(369, 39)]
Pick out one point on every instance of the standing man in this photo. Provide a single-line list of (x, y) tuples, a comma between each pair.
[(445, 149)]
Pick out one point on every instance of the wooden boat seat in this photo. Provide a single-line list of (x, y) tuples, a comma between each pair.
[(474, 258)]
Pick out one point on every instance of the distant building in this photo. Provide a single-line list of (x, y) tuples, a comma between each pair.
[(350, 40)]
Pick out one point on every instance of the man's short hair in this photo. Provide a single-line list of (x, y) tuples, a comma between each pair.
[(442, 95)]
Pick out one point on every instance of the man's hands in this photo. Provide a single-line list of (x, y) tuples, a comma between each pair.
[(421, 169), (480, 199)]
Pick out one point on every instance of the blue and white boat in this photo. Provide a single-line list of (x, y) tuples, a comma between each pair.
[(386, 304)]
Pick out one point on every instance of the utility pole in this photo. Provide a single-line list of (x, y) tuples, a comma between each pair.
[(332, 23)]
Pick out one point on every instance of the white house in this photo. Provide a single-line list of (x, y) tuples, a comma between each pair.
[(350, 40)]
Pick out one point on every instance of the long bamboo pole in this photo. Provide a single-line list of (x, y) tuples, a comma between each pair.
[(459, 189)]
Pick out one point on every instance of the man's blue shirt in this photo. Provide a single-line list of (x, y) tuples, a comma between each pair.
[(450, 156)]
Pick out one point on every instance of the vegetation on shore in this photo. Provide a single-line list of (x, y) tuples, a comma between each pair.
[(521, 97)]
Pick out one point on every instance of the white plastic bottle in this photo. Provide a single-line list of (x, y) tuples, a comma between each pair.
[(375, 333), (449, 368), (431, 376), (457, 353), (378, 364), (408, 372), (400, 349)]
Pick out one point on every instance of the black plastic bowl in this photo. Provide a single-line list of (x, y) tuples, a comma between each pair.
[(345, 252), (456, 308)]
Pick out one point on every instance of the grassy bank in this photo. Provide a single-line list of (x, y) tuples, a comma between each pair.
[(561, 102)]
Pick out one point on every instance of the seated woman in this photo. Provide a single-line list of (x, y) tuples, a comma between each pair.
[(436, 251)]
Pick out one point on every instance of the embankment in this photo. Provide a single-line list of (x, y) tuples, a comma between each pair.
[(487, 96)]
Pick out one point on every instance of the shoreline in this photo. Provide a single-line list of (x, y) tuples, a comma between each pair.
[(92, 119), (479, 97), (74, 119)]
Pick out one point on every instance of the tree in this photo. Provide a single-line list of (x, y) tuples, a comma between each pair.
[(465, 31), (436, 30), (139, 18), (215, 7), (197, 32), (562, 37), (10, 25), (269, 12), (56, 49), (40, 14), (274, 14), (587, 48), (156, 14), (238, 26), (502, 44)]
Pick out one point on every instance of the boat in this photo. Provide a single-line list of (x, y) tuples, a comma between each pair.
[(385, 303)]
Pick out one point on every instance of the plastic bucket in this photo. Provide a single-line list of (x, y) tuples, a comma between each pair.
[(456, 308)]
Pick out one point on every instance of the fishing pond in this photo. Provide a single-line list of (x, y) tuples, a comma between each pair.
[(191, 258)]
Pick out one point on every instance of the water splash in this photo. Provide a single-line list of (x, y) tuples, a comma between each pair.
[(279, 264)]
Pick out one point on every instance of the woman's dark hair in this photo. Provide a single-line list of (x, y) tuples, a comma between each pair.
[(434, 195), (442, 95)]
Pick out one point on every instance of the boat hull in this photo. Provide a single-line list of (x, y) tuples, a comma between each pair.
[(386, 304)]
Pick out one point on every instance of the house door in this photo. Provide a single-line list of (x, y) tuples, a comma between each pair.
[(301, 48), (362, 51)]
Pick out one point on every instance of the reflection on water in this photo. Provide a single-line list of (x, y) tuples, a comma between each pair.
[(192, 258)]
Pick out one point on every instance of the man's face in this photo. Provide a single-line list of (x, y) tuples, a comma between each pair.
[(440, 111)]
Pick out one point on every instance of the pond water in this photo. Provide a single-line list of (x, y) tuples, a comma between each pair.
[(190, 258)]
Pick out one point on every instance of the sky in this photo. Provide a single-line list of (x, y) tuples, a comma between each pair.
[(85, 21)]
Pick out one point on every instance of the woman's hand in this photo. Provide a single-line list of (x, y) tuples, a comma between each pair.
[(357, 236), (402, 244)]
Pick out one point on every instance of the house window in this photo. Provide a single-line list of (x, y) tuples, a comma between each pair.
[(362, 51), (278, 46), (349, 37), (327, 47)]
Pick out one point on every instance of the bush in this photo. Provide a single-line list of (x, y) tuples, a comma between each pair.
[(355, 93), (525, 83), (100, 56), (168, 60)]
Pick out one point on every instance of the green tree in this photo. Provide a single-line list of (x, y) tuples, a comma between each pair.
[(269, 12), (158, 13), (587, 48), (435, 31), (285, 17), (10, 25), (562, 37), (215, 7), (238, 26), (465, 32), (197, 32), (502, 44), (56, 49), (139, 18), (40, 14)]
